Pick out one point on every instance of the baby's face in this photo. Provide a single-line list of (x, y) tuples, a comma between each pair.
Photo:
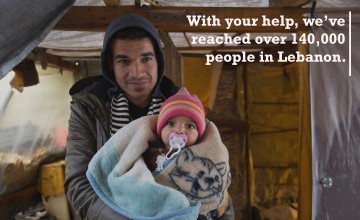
[(180, 125)]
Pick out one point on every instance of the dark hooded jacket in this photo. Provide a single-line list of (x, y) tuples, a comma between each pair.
[(89, 123)]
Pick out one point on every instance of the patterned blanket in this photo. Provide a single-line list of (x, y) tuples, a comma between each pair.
[(194, 182)]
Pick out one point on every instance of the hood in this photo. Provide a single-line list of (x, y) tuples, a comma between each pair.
[(124, 21)]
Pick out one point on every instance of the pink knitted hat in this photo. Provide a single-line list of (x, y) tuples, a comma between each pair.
[(182, 104)]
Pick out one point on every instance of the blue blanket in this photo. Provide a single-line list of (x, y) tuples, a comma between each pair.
[(120, 177), (195, 182)]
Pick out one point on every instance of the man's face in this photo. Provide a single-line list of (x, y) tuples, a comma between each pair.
[(135, 68)]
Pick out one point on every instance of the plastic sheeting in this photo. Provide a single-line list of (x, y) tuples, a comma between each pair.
[(335, 108), (33, 129), (73, 40), (73, 43), (23, 29)]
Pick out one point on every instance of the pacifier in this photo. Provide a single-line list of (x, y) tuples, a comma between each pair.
[(176, 141)]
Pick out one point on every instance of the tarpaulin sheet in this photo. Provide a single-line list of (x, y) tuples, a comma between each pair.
[(335, 104), (23, 25)]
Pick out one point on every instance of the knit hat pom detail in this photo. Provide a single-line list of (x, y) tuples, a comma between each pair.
[(182, 104)]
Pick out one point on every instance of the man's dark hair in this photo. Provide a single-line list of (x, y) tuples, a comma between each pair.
[(130, 33)]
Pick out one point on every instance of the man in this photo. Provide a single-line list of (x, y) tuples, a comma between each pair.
[(132, 85)]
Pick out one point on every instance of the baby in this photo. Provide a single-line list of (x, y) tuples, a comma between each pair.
[(181, 125), (184, 174)]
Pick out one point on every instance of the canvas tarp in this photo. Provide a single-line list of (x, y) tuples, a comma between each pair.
[(24, 25), (335, 95)]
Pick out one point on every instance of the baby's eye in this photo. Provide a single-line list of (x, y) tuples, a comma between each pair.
[(191, 126), (169, 123)]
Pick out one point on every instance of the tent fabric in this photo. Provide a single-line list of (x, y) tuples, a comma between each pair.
[(73, 40), (335, 107), (24, 29), (272, 112), (205, 89)]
